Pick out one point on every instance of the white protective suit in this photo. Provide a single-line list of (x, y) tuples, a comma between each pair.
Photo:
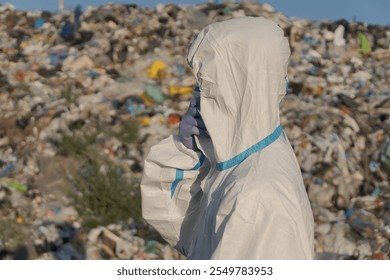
[(243, 196)]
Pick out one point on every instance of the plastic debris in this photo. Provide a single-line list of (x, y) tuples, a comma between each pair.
[(385, 157), (338, 38), (365, 46), (57, 56), (144, 120), (14, 184), (67, 31), (39, 22), (175, 90), (76, 81), (8, 169), (19, 220), (154, 93), (135, 105), (157, 70), (174, 119)]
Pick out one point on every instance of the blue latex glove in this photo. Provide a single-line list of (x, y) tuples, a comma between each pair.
[(192, 123)]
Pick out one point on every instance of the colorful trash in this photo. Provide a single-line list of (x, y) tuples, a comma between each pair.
[(144, 120), (57, 56), (174, 119), (67, 31), (7, 170), (154, 92), (157, 70), (335, 115), (20, 220), (14, 185), (176, 90), (39, 23), (135, 105), (365, 46), (385, 156)]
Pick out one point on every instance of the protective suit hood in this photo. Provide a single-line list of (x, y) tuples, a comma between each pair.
[(241, 68)]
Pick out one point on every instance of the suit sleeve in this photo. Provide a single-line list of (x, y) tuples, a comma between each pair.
[(171, 190)]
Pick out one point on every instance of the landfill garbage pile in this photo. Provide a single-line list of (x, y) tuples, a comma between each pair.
[(85, 94)]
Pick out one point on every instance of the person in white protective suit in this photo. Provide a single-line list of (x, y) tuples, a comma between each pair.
[(229, 185)]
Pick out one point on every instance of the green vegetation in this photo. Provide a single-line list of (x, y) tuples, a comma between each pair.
[(12, 234), (77, 145), (103, 195), (100, 191), (126, 132), (82, 143), (68, 94)]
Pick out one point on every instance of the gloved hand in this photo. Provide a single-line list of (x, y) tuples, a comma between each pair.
[(192, 123)]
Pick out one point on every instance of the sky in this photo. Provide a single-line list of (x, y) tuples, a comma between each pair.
[(370, 11)]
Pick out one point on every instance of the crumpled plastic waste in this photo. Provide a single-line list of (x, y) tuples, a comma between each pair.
[(14, 185), (157, 70), (8, 169), (175, 90), (154, 92), (119, 63), (365, 46), (385, 156), (135, 105), (39, 22)]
